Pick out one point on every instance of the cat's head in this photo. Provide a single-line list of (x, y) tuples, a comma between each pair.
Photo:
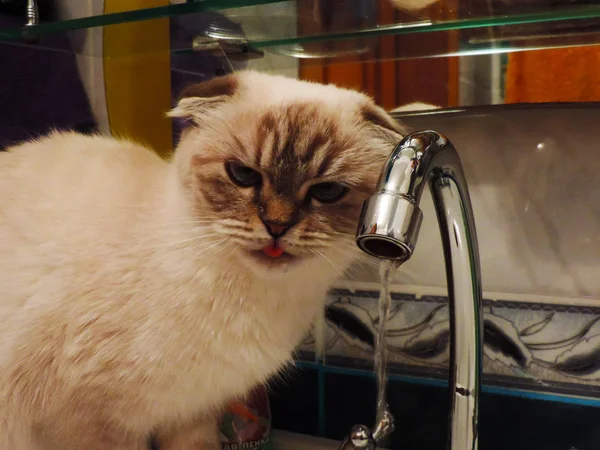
[(280, 168)]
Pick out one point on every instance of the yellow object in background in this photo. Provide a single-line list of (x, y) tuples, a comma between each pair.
[(137, 76), (556, 75)]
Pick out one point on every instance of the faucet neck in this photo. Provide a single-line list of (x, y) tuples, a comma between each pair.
[(388, 229)]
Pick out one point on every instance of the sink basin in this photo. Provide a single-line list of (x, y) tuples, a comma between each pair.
[(284, 440)]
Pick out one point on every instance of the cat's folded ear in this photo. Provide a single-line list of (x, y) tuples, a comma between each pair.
[(382, 123), (198, 100)]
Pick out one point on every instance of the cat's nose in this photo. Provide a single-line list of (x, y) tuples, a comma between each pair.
[(276, 229)]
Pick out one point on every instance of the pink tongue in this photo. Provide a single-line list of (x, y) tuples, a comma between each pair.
[(273, 251)]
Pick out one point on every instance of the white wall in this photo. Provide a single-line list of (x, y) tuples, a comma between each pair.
[(533, 181)]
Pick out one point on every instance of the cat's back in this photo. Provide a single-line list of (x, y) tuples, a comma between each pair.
[(72, 156), (64, 198), (67, 190), (72, 170)]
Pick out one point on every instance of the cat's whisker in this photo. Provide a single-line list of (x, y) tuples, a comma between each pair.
[(204, 218), (352, 278), (240, 233), (329, 235), (195, 241), (206, 249), (115, 215), (309, 244), (363, 262), (355, 256), (367, 263), (325, 243), (193, 226), (176, 224), (355, 269), (158, 233), (193, 235), (338, 269), (346, 244), (315, 235), (198, 250), (167, 244), (167, 232), (337, 243), (340, 246), (335, 266), (233, 222), (338, 233), (243, 239), (349, 241), (234, 248), (199, 225)]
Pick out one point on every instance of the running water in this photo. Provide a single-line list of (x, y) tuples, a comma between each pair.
[(386, 270)]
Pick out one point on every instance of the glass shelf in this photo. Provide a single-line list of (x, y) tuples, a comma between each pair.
[(17, 33), (312, 31)]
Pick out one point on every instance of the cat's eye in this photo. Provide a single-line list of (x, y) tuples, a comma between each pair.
[(327, 192), (242, 175)]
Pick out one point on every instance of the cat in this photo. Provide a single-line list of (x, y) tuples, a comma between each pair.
[(139, 295)]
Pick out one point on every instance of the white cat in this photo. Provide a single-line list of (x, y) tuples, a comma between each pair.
[(140, 295)]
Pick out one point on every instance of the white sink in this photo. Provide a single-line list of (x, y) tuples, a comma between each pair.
[(284, 440)]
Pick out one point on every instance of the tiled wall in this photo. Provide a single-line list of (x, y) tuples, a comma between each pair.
[(548, 348)]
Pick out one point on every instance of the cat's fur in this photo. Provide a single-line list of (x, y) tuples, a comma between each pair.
[(130, 303)]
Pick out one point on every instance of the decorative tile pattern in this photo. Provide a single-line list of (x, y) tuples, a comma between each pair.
[(546, 347)]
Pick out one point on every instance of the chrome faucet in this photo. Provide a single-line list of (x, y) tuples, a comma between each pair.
[(388, 229)]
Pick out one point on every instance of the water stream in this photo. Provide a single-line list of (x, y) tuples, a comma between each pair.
[(386, 270)]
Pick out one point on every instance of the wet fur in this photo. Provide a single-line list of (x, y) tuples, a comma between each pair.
[(130, 303)]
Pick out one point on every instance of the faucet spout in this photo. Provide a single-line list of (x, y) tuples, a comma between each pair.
[(389, 228)]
